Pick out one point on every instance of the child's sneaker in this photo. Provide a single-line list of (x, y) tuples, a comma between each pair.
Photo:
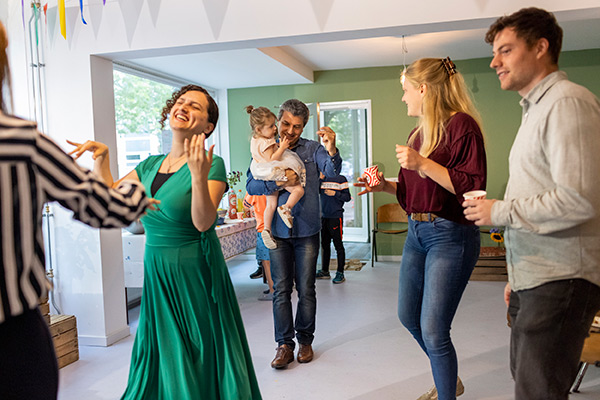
[(339, 277), (323, 274), (268, 239), (286, 215)]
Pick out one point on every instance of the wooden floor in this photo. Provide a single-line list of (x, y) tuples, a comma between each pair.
[(362, 352)]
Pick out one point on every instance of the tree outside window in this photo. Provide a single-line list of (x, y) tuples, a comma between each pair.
[(138, 104)]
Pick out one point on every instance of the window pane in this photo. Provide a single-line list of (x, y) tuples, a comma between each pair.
[(138, 106)]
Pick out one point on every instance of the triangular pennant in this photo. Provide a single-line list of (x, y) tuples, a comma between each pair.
[(215, 12), (130, 10), (322, 8), (95, 12), (72, 17), (51, 27), (154, 6)]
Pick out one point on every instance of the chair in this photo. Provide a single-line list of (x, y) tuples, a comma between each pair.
[(387, 214), (589, 355)]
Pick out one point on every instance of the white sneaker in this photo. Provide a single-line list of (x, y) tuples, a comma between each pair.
[(286, 215), (268, 239)]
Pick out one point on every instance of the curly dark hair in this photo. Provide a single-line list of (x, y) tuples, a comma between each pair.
[(213, 109), (531, 24)]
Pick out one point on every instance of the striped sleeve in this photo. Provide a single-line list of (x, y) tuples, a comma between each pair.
[(81, 191)]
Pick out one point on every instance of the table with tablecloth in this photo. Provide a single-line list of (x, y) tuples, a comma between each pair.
[(236, 236)]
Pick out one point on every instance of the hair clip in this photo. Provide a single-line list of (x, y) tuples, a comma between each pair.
[(449, 65)]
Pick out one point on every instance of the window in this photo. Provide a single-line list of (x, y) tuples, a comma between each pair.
[(139, 99), (138, 104), (351, 121)]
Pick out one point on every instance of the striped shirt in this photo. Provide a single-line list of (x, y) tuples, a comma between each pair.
[(33, 171)]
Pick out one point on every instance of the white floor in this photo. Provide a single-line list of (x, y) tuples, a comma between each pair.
[(361, 350)]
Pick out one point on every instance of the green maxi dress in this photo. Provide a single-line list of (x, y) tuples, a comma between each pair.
[(190, 342)]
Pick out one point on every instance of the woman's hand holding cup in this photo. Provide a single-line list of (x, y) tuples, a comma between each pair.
[(372, 180)]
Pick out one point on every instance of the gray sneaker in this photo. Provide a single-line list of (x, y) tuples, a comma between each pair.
[(323, 275)]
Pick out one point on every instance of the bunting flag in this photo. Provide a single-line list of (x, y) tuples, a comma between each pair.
[(81, 9), (23, 13), (46, 15), (36, 19), (104, 2), (61, 16)]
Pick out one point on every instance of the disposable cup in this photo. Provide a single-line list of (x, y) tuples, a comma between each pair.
[(475, 195), (240, 215), (371, 175)]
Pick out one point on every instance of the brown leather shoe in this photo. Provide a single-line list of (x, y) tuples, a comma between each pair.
[(283, 357), (305, 353)]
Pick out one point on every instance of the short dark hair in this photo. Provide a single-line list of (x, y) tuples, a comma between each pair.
[(531, 24), (296, 108), (213, 109)]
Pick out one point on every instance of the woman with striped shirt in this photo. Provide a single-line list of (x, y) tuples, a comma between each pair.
[(33, 171)]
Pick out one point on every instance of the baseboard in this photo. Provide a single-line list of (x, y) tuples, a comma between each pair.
[(103, 341), (389, 258)]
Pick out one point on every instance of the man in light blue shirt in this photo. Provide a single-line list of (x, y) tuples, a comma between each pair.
[(295, 258), (551, 208)]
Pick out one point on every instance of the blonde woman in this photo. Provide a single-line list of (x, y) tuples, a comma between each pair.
[(444, 158)]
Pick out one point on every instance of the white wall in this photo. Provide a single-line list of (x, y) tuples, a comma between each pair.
[(89, 264)]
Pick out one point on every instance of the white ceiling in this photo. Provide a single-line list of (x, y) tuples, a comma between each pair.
[(294, 63)]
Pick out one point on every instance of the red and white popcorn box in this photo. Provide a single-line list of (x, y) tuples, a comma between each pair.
[(371, 175)]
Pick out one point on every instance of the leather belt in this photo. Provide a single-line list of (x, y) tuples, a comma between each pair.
[(423, 217)]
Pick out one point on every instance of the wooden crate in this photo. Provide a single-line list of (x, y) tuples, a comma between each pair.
[(491, 265), (64, 335), (45, 310)]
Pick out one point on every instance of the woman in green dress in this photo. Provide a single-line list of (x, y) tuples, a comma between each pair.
[(190, 342)]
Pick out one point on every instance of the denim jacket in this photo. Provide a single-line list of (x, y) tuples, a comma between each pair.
[(307, 212)]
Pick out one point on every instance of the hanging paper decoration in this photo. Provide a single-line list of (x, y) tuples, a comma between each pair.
[(36, 18), (81, 9), (23, 13), (61, 16), (104, 1), (46, 14)]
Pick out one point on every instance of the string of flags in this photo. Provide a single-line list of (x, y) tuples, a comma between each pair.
[(61, 13)]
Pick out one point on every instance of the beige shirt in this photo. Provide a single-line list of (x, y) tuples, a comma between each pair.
[(551, 208), (258, 145)]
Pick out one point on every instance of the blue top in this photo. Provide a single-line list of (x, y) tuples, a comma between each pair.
[(333, 206), (307, 212)]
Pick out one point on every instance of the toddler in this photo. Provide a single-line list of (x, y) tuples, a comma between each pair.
[(269, 162)]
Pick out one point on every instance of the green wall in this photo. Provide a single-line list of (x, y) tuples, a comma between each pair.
[(499, 110)]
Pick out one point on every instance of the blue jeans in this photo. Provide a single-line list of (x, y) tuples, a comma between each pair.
[(549, 324), (294, 260), (437, 261)]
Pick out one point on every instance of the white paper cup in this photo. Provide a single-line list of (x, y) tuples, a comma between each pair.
[(475, 195)]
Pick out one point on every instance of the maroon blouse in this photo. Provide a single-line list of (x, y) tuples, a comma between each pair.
[(462, 152)]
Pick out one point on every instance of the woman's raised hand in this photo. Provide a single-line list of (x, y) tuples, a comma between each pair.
[(362, 182), (198, 160), (409, 158), (98, 150)]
